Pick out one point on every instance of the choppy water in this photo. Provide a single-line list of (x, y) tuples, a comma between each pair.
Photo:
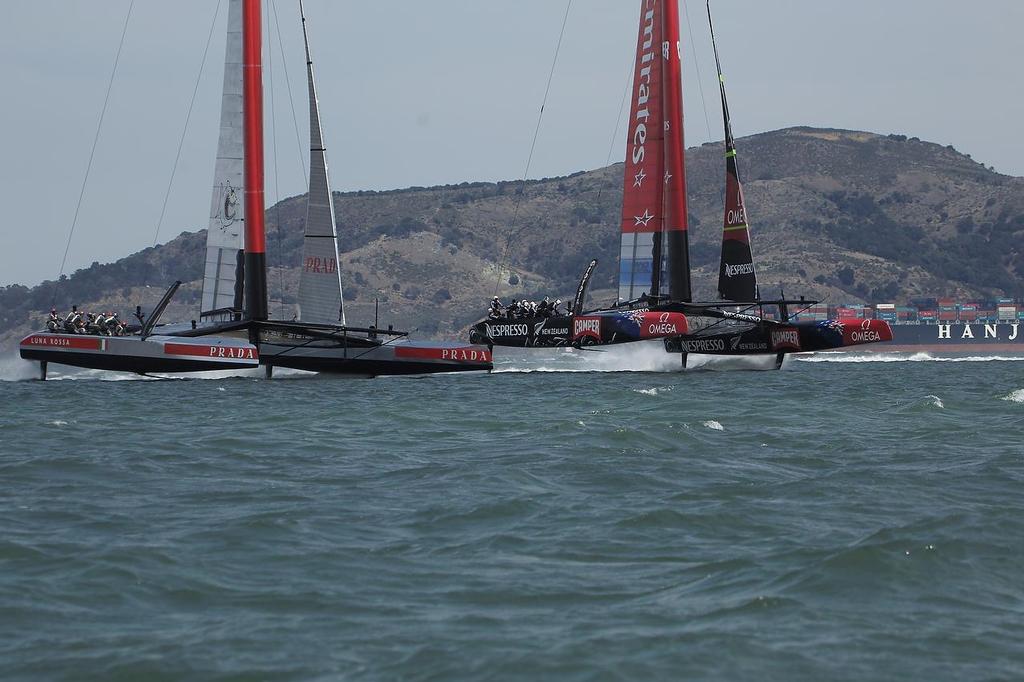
[(838, 520)]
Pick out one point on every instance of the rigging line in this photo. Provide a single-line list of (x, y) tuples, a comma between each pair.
[(291, 99), (92, 153), (618, 123), (529, 159), (696, 65), (184, 130), (277, 178)]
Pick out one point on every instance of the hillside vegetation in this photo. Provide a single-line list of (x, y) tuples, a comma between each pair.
[(836, 215)]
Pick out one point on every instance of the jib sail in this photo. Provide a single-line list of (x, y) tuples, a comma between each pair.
[(654, 245), (223, 278), (737, 280), (320, 297)]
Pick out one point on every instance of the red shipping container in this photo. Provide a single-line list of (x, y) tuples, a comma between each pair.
[(947, 316), (968, 315)]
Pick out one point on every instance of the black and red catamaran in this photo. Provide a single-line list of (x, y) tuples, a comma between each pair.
[(654, 287), (234, 329)]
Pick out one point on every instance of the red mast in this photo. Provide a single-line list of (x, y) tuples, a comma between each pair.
[(675, 171), (252, 94)]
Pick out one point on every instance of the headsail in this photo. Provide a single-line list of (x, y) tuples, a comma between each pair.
[(223, 275), (320, 298), (654, 217), (737, 280)]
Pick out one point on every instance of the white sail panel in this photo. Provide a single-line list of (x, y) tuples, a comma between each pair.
[(320, 298), (225, 232)]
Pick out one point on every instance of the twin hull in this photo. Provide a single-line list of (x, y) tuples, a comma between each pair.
[(172, 354), (682, 333)]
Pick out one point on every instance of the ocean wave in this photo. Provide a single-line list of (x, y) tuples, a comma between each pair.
[(653, 391), (713, 424), (1015, 397)]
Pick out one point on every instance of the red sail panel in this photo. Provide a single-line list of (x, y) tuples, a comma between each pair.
[(675, 171), (643, 186), (677, 246), (735, 212)]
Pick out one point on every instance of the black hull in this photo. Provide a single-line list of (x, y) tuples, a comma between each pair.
[(340, 351), (736, 337)]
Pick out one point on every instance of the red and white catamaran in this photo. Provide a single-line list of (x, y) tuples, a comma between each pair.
[(234, 329)]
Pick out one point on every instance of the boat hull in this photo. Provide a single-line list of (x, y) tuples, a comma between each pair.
[(604, 327), (778, 338), (298, 348), (154, 354)]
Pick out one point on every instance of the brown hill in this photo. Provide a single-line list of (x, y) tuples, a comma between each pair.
[(837, 215)]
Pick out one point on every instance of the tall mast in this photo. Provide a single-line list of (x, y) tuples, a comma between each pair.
[(675, 171), (252, 91), (737, 278)]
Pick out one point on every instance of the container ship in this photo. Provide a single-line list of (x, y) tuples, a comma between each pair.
[(939, 325)]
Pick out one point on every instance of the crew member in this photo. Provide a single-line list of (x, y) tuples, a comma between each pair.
[(495, 310)]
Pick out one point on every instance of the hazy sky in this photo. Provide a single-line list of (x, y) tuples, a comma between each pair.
[(418, 92)]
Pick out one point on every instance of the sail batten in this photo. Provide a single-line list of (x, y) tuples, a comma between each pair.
[(222, 275), (320, 294)]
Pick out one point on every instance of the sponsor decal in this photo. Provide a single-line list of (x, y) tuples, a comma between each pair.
[(737, 343), (785, 338), (869, 336), (458, 354), (215, 352), (643, 88), (62, 341), (657, 325), (703, 345), (739, 269), (553, 331), (736, 217), (318, 265), (586, 326), (496, 330)]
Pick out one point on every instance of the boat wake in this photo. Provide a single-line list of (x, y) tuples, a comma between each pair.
[(1015, 397), (644, 356), (847, 357), (13, 368)]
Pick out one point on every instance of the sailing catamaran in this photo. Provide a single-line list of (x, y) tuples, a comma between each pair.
[(234, 329), (654, 285)]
